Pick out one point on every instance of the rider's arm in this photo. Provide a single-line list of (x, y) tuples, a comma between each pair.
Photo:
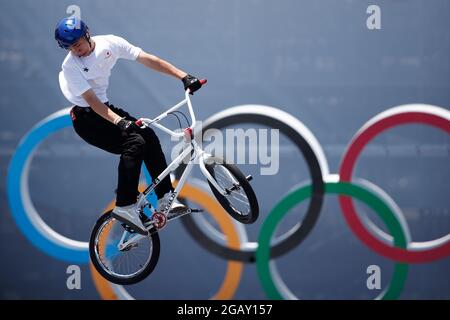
[(158, 64), (99, 107)]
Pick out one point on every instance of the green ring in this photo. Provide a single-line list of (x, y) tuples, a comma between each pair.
[(292, 199)]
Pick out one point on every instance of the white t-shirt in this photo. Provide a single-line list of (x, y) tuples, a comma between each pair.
[(80, 74)]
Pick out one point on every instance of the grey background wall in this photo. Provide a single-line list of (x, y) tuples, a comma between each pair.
[(316, 60)]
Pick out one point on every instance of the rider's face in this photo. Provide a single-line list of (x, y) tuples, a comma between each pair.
[(80, 48)]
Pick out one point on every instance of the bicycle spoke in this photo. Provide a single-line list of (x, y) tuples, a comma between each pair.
[(243, 201), (222, 175), (237, 199), (122, 263), (237, 193)]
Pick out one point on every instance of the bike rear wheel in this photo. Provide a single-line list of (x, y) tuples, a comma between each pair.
[(127, 265), (240, 202)]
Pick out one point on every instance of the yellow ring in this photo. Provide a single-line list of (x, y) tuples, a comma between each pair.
[(234, 268)]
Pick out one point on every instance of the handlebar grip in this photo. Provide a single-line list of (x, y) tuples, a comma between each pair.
[(202, 82)]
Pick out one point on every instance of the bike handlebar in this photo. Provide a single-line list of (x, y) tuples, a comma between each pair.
[(146, 122)]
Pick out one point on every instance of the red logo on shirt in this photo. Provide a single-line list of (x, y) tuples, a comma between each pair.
[(72, 115)]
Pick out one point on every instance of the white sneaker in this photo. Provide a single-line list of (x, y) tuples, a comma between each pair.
[(130, 216), (177, 207)]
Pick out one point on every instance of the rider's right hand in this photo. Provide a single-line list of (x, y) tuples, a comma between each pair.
[(127, 126)]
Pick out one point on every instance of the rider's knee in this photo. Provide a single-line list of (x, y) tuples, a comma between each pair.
[(135, 144)]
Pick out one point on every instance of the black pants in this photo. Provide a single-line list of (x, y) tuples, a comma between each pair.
[(135, 147)]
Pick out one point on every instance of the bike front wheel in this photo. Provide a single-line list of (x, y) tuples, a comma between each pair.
[(120, 264), (240, 200)]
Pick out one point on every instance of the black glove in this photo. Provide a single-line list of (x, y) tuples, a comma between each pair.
[(127, 126), (191, 83)]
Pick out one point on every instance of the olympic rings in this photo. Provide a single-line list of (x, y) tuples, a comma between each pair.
[(314, 156), (231, 281), (417, 113), (237, 247), (268, 274)]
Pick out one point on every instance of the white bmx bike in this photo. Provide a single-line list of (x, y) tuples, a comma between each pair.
[(123, 256)]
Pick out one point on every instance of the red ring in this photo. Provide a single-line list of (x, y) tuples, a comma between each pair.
[(359, 141)]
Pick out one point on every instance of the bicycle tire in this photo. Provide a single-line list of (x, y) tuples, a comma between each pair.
[(253, 214), (154, 237)]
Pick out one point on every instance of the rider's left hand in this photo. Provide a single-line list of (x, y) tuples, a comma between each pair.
[(191, 83)]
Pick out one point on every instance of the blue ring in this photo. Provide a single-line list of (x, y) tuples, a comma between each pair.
[(19, 162)]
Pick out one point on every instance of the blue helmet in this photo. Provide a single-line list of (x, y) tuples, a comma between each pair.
[(69, 30)]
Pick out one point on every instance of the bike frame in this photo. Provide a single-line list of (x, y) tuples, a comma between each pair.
[(190, 145), (190, 148)]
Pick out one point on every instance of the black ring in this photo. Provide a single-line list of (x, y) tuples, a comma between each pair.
[(315, 204)]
